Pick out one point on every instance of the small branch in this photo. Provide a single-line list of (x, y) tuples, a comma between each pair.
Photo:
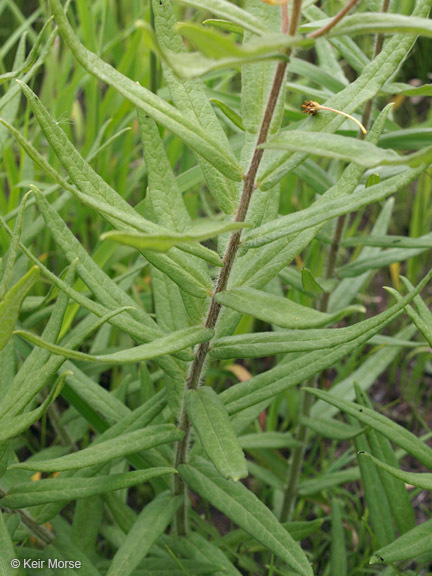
[(334, 21), (44, 536)]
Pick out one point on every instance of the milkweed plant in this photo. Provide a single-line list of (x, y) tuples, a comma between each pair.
[(215, 240)]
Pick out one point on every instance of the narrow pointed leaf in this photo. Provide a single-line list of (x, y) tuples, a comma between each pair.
[(212, 424), (61, 489), (249, 513), (166, 345), (420, 479), (163, 242), (407, 547), (376, 23), (123, 445), (315, 215), (150, 524), (394, 432), (277, 310)]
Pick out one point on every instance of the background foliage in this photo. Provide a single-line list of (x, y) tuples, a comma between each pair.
[(118, 193)]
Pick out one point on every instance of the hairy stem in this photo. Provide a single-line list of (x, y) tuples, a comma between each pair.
[(334, 20), (198, 364)]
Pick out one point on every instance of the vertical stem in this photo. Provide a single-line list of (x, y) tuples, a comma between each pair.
[(198, 363), (153, 61)]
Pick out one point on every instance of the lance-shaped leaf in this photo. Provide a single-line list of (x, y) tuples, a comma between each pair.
[(166, 345), (376, 23), (11, 304), (62, 489), (331, 428), (249, 513), (163, 242), (212, 424), (394, 432), (123, 445), (185, 128), (335, 146), (420, 479), (279, 311), (407, 547), (150, 524), (389, 241), (397, 495), (315, 215)]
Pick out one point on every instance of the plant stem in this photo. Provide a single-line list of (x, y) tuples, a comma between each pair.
[(43, 535), (198, 363), (334, 21)]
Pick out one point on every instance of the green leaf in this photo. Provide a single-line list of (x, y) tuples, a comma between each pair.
[(394, 432), (407, 547), (389, 241), (423, 318), (193, 65), (376, 23), (277, 310), (376, 500), (314, 215), (150, 524), (338, 147), (421, 480), (212, 424), (163, 242), (121, 446), (249, 513), (224, 25), (162, 112), (397, 495), (166, 345), (231, 12), (62, 489), (11, 304), (330, 428), (338, 552), (272, 440), (231, 114)]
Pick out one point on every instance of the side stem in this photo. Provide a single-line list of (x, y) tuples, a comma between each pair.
[(198, 364)]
